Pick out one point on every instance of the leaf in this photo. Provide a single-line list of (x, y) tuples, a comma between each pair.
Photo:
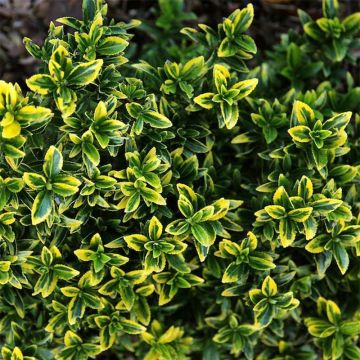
[(155, 228), (41, 83), (42, 207), (152, 196), (193, 68), (205, 100), (269, 287), (133, 202), (65, 272), (91, 152), (243, 19), (352, 23), (319, 328), (232, 273), (339, 121), (294, 56), (131, 327), (111, 45), (325, 206), (245, 88), (303, 113), (300, 214), (136, 241), (341, 256), (333, 312), (317, 245), (230, 114), (204, 233), (156, 120), (85, 73), (287, 232), (275, 211), (227, 48), (300, 133), (30, 114), (34, 181), (53, 162)]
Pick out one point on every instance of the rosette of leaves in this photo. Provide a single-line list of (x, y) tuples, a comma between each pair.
[(64, 78), (100, 259), (336, 243), (230, 42), (160, 249), (245, 257), (227, 95), (166, 344), (319, 139), (49, 266), (201, 222), (334, 335), (333, 37), (143, 185), (269, 303), (53, 183), (238, 335), (180, 77), (15, 112), (101, 131), (269, 118), (112, 323), (168, 284)]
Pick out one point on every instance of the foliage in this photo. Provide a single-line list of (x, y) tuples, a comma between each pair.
[(204, 206)]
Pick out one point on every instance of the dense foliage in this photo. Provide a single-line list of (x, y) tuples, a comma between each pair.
[(206, 207)]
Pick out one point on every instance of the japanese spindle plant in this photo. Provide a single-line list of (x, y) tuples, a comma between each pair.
[(201, 207)]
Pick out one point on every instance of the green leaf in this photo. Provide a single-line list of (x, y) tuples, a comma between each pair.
[(275, 211), (205, 100), (112, 45), (317, 245), (352, 24), (333, 312), (339, 121), (325, 206), (204, 233), (42, 207), (300, 215), (230, 114), (85, 73), (319, 328), (341, 256), (65, 185), (41, 83), (287, 232), (232, 273), (91, 152), (300, 133), (156, 120), (227, 48), (303, 113), (152, 196), (53, 162), (243, 19), (65, 272), (34, 181), (294, 56), (131, 327), (269, 287), (89, 10), (245, 88)]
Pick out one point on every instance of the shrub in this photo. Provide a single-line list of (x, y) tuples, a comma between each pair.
[(196, 209)]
